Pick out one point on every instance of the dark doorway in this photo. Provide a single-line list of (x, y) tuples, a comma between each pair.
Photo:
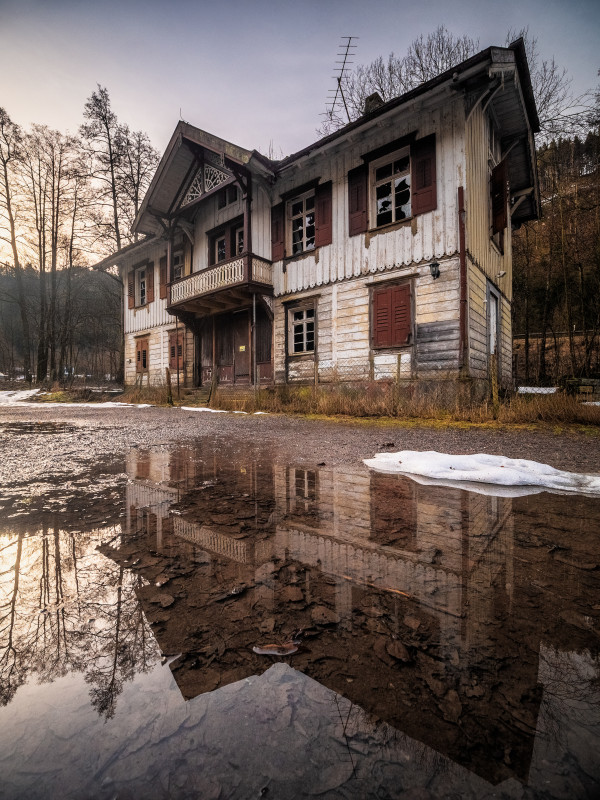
[(241, 347)]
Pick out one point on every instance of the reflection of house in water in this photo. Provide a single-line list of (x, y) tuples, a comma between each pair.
[(429, 610)]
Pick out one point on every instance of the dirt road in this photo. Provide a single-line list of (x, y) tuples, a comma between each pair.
[(50, 442)]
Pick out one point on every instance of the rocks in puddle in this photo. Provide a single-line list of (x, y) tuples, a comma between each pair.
[(163, 599), (321, 615), (398, 651)]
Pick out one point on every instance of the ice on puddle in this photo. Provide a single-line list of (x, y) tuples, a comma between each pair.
[(503, 476)]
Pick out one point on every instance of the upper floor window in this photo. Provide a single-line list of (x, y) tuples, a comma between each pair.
[(140, 285), (301, 213), (226, 242), (390, 188), (177, 261), (227, 196)]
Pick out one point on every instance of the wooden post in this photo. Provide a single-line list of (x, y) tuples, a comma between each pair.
[(169, 390), (177, 353), (494, 379)]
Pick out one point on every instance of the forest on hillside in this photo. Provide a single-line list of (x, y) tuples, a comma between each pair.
[(67, 201)]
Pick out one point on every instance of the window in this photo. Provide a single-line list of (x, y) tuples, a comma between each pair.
[(175, 350), (140, 285), (302, 223), (141, 355), (391, 318), (396, 182), (303, 487), (227, 196), (177, 263), (302, 330), (226, 242), (390, 188), (301, 214)]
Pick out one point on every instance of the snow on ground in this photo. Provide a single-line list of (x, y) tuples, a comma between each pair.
[(537, 389), (7, 398), (203, 408), (20, 399), (483, 473)]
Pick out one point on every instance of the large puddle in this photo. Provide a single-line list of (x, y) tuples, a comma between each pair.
[(421, 641)]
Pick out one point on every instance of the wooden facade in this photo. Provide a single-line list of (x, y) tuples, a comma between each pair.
[(381, 252)]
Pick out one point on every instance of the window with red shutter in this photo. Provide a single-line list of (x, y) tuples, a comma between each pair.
[(323, 217), (150, 282), (175, 350), (499, 193), (424, 193), (357, 200), (131, 289), (391, 316), (141, 355), (162, 278), (278, 232)]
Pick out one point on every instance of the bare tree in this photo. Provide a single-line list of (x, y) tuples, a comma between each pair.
[(426, 57), (11, 143)]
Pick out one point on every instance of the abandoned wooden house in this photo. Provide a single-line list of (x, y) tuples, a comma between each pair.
[(380, 252)]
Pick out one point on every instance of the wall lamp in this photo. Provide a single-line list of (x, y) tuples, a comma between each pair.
[(434, 268)]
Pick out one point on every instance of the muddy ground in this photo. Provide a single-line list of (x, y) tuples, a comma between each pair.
[(52, 443)]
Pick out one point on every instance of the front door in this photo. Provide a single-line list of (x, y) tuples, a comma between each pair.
[(241, 347)]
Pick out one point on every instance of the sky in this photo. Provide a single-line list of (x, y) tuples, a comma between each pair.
[(257, 72)]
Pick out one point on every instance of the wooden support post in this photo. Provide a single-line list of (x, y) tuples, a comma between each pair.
[(169, 390)]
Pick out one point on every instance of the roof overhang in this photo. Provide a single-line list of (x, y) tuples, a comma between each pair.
[(181, 177)]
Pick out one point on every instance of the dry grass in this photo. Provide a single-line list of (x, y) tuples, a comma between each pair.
[(380, 400), (435, 404)]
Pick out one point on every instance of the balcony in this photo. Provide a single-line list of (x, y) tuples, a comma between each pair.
[(197, 292)]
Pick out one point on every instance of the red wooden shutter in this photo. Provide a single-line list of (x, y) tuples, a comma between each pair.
[(138, 355), (357, 200), (382, 317), (278, 232), (150, 282), (175, 350), (499, 191), (323, 221), (131, 289), (401, 326), (424, 193), (162, 277)]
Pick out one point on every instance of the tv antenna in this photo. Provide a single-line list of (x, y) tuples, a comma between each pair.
[(336, 97)]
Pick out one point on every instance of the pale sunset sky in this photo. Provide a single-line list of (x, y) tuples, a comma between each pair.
[(250, 72)]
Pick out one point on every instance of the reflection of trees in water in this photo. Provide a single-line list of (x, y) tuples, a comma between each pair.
[(571, 686), (66, 608)]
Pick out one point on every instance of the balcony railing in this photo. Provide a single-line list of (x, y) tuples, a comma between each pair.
[(235, 272)]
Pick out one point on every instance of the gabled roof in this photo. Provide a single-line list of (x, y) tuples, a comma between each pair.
[(502, 71)]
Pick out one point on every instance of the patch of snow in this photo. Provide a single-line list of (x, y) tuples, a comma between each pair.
[(256, 413), (520, 475), (9, 398), (537, 389), (203, 408), (592, 403)]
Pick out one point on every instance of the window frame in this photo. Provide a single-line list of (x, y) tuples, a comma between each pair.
[(383, 161), (180, 266), (302, 308), (290, 217), (228, 234), (379, 289), (142, 354)]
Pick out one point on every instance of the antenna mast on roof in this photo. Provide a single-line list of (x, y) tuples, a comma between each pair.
[(336, 98)]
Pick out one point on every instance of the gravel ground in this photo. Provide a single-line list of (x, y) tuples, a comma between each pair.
[(53, 442)]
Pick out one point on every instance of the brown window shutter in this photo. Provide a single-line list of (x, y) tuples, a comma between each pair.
[(138, 355), (278, 232), (382, 318), (172, 349), (357, 200), (131, 289), (162, 277), (401, 325), (424, 192), (323, 221), (150, 282), (499, 191)]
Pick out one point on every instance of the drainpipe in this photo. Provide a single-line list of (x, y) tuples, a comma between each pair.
[(254, 338), (463, 345)]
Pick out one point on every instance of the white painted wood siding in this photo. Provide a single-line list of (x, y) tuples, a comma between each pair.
[(428, 236)]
